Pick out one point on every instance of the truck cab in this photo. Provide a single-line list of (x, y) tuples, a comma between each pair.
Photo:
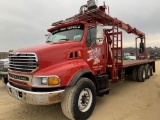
[(70, 50), (73, 51)]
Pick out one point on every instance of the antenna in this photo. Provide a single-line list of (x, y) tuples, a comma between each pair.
[(104, 3)]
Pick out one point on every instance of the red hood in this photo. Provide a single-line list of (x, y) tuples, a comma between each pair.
[(52, 53)]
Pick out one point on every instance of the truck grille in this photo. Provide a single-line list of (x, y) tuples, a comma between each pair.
[(21, 62)]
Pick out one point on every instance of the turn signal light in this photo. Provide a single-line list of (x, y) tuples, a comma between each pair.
[(79, 54), (52, 81)]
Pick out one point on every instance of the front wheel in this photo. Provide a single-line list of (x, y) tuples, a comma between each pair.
[(79, 101)]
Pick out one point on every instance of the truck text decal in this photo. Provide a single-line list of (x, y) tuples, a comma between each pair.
[(94, 54), (79, 26)]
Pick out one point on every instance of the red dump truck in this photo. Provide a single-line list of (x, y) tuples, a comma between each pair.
[(81, 56)]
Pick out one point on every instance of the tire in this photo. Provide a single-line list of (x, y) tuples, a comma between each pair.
[(141, 74), (147, 69), (79, 101), (135, 74), (151, 71), (5, 80)]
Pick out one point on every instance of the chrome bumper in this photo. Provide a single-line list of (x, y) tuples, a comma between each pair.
[(35, 98)]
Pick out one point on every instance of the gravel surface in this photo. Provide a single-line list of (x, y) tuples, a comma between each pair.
[(129, 100)]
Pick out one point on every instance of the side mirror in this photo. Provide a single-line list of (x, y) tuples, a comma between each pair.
[(47, 35), (99, 37)]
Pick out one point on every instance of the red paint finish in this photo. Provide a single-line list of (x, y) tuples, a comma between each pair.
[(129, 63), (64, 70), (54, 58)]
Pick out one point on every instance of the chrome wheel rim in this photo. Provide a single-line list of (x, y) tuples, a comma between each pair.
[(85, 100)]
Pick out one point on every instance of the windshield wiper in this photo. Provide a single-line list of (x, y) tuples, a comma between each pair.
[(63, 39)]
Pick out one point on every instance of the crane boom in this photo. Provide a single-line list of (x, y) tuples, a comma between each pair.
[(128, 28)]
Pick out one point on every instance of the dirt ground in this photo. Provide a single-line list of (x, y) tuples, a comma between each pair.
[(129, 100)]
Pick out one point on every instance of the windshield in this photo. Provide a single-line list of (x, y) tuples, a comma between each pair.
[(67, 33)]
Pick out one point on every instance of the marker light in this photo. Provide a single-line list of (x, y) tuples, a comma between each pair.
[(52, 81), (79, 54)]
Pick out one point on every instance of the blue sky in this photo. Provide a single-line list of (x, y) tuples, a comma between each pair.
[(25, 22)]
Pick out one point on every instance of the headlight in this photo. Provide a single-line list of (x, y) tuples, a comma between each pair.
[(45, 81)]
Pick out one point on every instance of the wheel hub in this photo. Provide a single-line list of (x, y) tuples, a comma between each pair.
[(85, 100)]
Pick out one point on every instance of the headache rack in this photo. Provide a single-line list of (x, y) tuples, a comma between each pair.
[(101, 17)]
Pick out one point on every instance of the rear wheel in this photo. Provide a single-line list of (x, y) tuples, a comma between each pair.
[(141, 74), (79, 101), (151, 70), (147, 69), (135, 74)]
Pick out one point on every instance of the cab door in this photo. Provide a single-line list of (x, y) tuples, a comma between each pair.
[(96, 50)]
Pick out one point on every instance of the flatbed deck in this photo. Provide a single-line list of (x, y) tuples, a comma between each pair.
[(129, 63)]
